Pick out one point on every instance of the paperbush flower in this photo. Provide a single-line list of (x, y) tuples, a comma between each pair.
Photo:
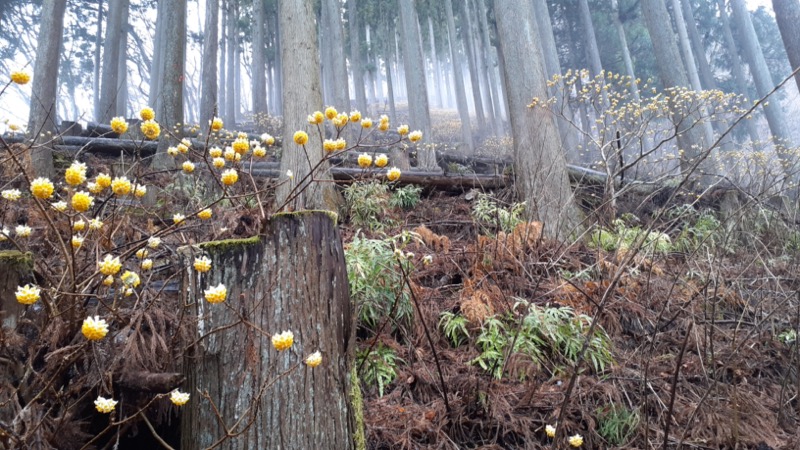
[(60, 206), (205, 214), (140, 191), (283, 341), (4, 234), (147, 264), (355, 116), (179, 398), (150, 129), (402, 130), (95, 224), (216, 124), (79, 225), (215, 152), (229, 177), (316, 118), (147, 114), (314, 359), (76, 241), (178, 218), (219, 163), (384, 123), (184, 146), (28, 294), (141, 253), (172, 151), (381, 160), (329, 145), (341, 144), (202, 264), (42, 188), (330, 112), (340, 120), (94, 328), (216, 294), (300, 137), (103, 180), (153, 242), (82, 201), (108, 281), (241, 146), (121, 186), (576, 440), (94, 188), (259, 152), (188, 166), (105, 405), (20, 77), (110, 265), (393, 174), (366, 123), (268, 139), (550, 431), (427, 260), (75, 174), (11, 194), (23, 231), (119, 125), (415, 136), (364, 160), (130, 279), (229, 154)]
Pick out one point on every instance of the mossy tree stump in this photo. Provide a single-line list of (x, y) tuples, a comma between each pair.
[(292, 277), (16, 269)]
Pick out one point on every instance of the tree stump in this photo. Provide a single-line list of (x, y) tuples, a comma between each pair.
[(16, 269), (292, 277)]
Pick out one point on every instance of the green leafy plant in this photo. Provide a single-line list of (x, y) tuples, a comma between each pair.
[(616, 423), (376, 281), (545, 334), (492, 215), (379, 366), (623, 236), (454, 327), (406, 197), (366, 203), (699, 229)]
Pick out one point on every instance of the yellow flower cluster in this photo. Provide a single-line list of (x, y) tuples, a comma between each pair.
[(28, 294), (366, 123), (364, 160), (576, 440), (82, 201), (205, 214), (20, 77), (415, 136), (147, 264), (121, 186), (215, 152), (332, 145), (202, 264), (75, 174), (130, 279), (216, 124), (550, 431), (317, 118), (314, 359), (179, 398), (216, 294), (94, 328), (330, 112), (77, 242), (119, 125), (283, 341), (381, 160), (11, 195), (141, 253), (340, 120), (241, 146), (188, 166), (355, 116), (267, 139), (229, 177), (103, 180), (384, 123), (402, 130), (150, 129), (110, 265), (300, 137), (178, 218), (105, 405), (393, 174), (22, 231), (147, 113)]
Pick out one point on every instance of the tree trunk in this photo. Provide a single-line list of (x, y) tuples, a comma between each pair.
[(787, 14), (706, 77), (483, 69), (42, 116), (626, 53), (122, 71), (110, 78), (208, 82), (416, 86), (690, 138), (458, 84), (390, 63), (230, 66), (157, 67), (223, 61), (592, 51), (466, 37), (736, 66), (761, 76), (98, 47), (170, 110), (333, 37), (356, 61), (540, 167), (435, 64), (278, 104), (489, 67), (271, 398), (302, 95), (259, 81)]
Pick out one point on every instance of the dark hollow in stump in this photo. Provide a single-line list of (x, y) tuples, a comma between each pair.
[(293, 277)]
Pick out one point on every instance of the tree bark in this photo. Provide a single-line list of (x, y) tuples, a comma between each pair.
[(761, 76), (170, 111), (489, 63), (110, 77), (787, 14), (259, 81), (626, 53), (540, 167), (98, 51), (208, 82), (272, 398), (435, 65), (223, 58), (458, 84), (390, 64), (416, 86), (302, 95), (42, 117), (122, 71), (706, 77), (469, 53), (230, 66), (356, 61), (333, 39), (158, 58)]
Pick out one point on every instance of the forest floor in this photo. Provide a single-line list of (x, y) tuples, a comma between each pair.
[(700, 342)]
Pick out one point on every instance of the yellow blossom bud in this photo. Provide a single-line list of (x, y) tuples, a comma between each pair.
[(205, 214), (82, 201), (229, 177), (402, 130), (119, 125), (330, 112), (179, 398), (110, 265), (364, 160), (42, 188), (314, 359), (147, 113), (121, 186), (300, 137), (366, 123), (28, 294), (104, 405), (103, 180), (202, 264), (130, 279), (219, 163), (283, 341), (381, 160), (75, 174), (20, 77), (216, 124), (215, 152), (188, 166), (393, 174), (150, 129), (415, 136), (94, 329), (216, 294)]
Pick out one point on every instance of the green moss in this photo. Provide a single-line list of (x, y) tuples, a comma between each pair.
[(331, 214), (225, 244), (357, 409), (16, 259)]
